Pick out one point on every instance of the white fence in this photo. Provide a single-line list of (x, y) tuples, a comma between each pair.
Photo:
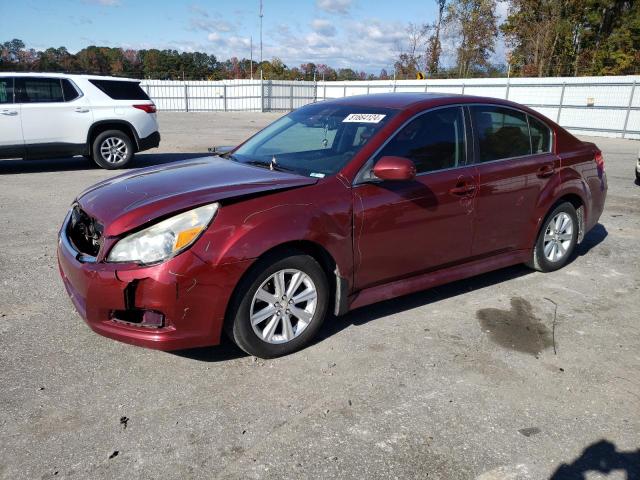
[(603, 106)]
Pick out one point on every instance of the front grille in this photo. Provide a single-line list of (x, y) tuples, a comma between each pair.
[(84, 232)]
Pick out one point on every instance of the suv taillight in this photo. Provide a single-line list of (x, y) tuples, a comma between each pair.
[(599, 161), (149, 108)]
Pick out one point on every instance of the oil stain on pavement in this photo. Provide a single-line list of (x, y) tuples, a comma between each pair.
[(517, 329)]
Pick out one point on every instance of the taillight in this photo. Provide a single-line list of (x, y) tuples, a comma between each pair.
[(146, 107), (599, 160)]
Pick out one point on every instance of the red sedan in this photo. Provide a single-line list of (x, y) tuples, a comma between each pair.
[(335, 206)]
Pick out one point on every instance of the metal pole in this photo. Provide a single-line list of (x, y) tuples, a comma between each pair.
[(564, 84), (261, 15), (224, 93), (344, 90), (463, 85), (368, 88), (186, 98), (508, 85), (626, 118)]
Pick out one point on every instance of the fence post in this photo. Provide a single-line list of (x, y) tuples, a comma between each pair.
[(394, 86), (186, 98), (224, 97), (261, 94), (463, 88), (368, 86), (291, 97), (564, 84), (425, 86), (508, 85), (344, 90), (626, 118)]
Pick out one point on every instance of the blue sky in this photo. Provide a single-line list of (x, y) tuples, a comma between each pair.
[(364, 35)]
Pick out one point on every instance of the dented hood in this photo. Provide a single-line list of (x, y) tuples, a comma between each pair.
[(128, 201)]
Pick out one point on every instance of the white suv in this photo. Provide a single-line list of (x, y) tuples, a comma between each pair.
[(53, 115)]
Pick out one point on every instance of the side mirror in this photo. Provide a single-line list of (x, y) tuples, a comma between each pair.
[(394, 168)]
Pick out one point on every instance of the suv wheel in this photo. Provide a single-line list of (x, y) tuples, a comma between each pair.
[(112, 149), (279, 306), (557, 239)]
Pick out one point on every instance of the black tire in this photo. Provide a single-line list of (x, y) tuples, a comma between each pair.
[(539, 261), (238, 324), (125, 149)]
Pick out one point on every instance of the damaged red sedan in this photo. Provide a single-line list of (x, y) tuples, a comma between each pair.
[(335, 206)]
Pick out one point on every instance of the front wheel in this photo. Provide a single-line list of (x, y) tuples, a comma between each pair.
[(557, 239), (112, 149), (279, 306)]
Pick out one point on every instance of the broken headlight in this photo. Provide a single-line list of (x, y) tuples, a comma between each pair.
[(164, 239)]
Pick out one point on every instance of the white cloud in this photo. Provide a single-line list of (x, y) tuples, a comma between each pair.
[(208, 25), (103, 3), (323, 27), (334, 6)]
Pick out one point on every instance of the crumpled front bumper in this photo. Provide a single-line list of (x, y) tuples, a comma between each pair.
[(191, 295)]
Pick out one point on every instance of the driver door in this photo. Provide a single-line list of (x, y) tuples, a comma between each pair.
[(405, 228)]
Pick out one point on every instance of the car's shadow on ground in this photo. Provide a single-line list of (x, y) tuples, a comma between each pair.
[(228, 351), (80, 163)]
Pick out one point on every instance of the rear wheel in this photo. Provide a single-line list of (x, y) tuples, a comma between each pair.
[(279, 306), (557, 239), (112, 149)]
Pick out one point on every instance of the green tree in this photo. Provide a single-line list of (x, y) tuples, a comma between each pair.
[(475, 25)]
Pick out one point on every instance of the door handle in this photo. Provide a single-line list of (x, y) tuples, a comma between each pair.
[(10, 113), (545, 171), (81, 110), (462, 189)]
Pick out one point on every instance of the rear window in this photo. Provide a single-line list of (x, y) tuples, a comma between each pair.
[(121, 90)]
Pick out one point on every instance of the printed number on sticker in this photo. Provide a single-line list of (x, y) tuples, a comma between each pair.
[(364, 117)]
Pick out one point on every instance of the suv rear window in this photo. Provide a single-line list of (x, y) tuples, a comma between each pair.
[(120, 89)]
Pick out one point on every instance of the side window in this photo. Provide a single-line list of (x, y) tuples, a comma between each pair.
[(540, 136), (502, 132), (6, 90), (434, 140), (38, 90), (69, 91)]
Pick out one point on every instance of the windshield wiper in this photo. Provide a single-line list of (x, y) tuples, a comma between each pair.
[(270, 165)]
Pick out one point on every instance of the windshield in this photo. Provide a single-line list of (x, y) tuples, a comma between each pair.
[(316, 140)]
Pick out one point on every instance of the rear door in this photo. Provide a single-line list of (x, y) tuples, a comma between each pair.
[(515, 164), (11, 142), (55, 114), (407, 228)]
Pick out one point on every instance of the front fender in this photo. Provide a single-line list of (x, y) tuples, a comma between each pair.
[(247, 229)]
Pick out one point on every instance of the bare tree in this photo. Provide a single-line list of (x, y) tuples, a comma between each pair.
[(410, 60)]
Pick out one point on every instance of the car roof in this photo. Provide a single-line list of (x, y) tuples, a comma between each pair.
[(65, 75), (405, 100)]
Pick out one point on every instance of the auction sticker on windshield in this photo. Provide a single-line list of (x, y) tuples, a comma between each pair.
[(364, 117)]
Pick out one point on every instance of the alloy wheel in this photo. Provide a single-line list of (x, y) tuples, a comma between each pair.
[(283, 306), (113, 149), (557, 237)]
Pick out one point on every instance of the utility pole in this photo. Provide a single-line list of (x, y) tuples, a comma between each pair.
[(261, 15)]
